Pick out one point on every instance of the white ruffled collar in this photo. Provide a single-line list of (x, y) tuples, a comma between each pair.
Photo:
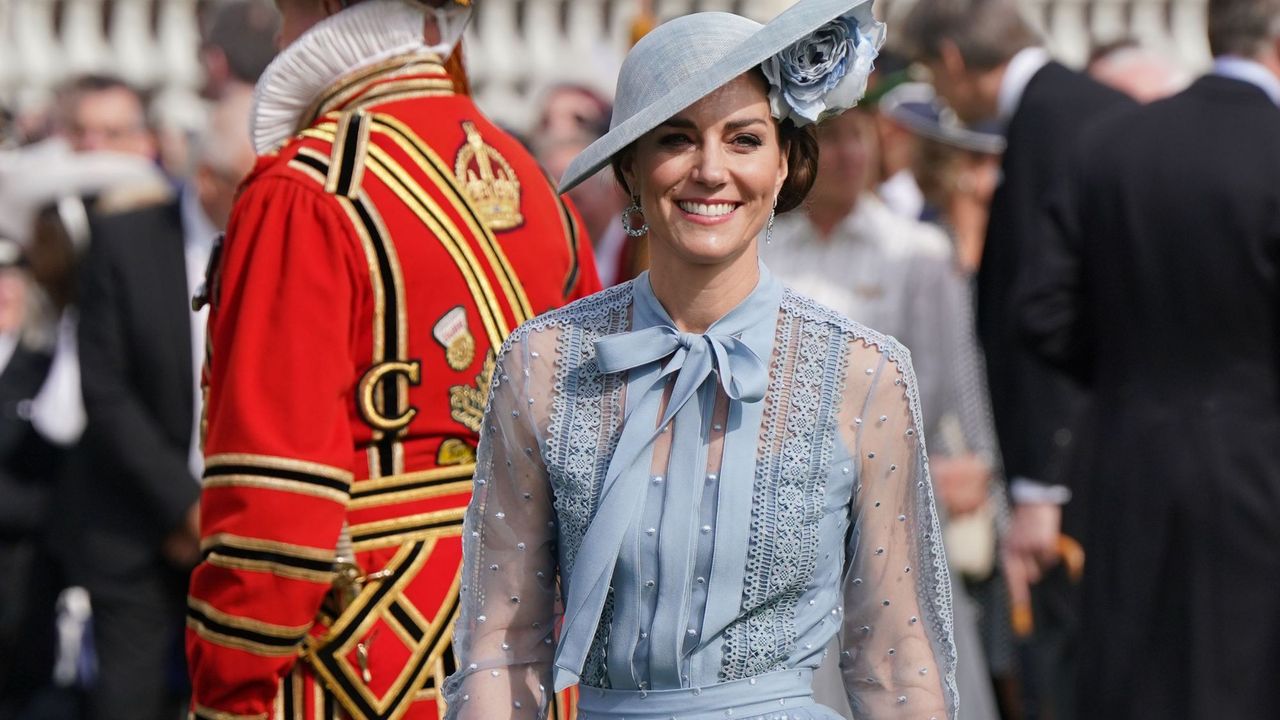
[(354, 39)]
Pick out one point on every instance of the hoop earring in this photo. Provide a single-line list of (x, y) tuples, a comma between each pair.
[(773, 212), (627, 214)]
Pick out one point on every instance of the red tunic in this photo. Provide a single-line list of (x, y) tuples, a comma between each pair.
[(372, 267)]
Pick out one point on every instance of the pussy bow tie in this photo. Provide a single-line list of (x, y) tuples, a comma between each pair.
[(692, 358)]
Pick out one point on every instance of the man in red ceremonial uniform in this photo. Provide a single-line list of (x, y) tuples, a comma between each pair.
[(383, 248)]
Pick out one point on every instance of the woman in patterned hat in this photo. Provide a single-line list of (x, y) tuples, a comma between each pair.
[(688, 484)]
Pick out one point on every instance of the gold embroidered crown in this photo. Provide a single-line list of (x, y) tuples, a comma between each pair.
[(489, 181)]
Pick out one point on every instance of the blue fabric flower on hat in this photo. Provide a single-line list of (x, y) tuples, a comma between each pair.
[(825, 73)]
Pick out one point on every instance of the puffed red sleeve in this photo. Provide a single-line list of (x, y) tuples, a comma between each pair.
[(278, 445)]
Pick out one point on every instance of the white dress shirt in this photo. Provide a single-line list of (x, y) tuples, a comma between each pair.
[(902, 194), (865, 269), (895, 275), (1017, 75), (199, 234), (57, 411), (1250, 71), (8, 344)]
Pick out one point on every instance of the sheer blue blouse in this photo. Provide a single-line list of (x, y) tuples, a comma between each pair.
[(682, 522)]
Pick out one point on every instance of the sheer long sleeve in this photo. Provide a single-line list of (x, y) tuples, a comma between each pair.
[(898, 656), (504, 637)]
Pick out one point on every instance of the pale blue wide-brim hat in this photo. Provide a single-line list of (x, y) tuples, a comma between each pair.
[(811, 75)]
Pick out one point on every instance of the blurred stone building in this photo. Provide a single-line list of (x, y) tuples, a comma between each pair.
[(516, 48)]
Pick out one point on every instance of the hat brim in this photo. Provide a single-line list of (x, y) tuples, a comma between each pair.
[(790, 26), (913, 106), (958, 137)]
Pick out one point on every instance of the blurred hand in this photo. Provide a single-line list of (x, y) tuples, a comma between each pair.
[(962, 481), (1031, 547), (181, 546)]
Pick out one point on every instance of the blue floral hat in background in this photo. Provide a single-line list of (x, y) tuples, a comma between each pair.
[(917, 107), (816, 56)]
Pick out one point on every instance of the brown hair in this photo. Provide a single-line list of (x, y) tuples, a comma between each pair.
[(802, 164), (81, 86), (986, 32)]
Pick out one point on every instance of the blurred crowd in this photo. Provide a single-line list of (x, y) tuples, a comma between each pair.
[(927, 222), (107, 219)]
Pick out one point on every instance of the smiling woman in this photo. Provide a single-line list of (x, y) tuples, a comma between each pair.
[(710, 475), (708, 179)]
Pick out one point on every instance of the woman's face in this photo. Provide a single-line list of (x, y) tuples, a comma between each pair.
[(846, 157), (707, 178)]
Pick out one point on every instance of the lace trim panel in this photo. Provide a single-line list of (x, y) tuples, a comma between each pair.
[(797, 437), (586, 418), (934, 597)]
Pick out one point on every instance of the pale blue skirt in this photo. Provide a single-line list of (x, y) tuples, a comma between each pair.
[(781, 695)]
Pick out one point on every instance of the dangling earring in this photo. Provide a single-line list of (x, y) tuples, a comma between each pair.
[(630, 211), (768, 233)]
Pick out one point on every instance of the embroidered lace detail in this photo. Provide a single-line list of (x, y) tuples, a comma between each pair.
[(813, 414), (595, 669), (586, 416), (470, 583), (798, 434), (934, 597), (581, 438)]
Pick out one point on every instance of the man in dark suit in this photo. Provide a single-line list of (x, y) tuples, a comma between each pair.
[(138, 493), (1159, 287), (987, 63), (28, 462), (140, 348)]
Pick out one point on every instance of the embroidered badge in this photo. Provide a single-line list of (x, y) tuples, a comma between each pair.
[(455, 452), (488, 180), (455, 337), (371, 409), (467, 401)]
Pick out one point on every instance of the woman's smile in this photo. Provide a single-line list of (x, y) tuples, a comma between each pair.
[(707, 211), (707, 178)]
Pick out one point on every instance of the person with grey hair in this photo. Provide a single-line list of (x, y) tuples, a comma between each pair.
[(1159, 287), (1140, 72), (224, 154)]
